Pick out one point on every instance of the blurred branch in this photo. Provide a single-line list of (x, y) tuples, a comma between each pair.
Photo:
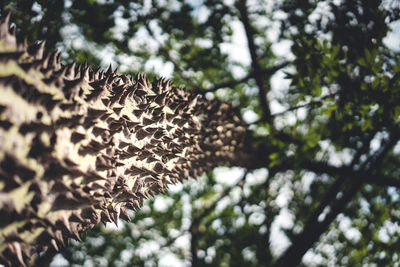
[(309, 104), (316, 226), (207, 210), (165, 52), (193, 229), (375, 179), (340, 193), (384, 180), (269, 219), (313, 230), (270, 71), (229, 84), (255, 62)]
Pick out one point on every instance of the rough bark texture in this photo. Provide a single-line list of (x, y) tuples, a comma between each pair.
[(79, 147)]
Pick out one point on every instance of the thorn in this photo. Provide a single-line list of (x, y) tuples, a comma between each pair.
[(114, 213), (75, 233), (6, 20), (52, 62), (75, 217), (109, 70), (124, 214), (64, 223), (138, 112), (105, 217), (54, 244), (15, 247)]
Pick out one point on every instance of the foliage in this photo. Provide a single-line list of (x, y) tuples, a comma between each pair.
[(321, 172)]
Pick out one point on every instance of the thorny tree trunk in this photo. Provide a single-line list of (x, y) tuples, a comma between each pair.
[(79, 147)]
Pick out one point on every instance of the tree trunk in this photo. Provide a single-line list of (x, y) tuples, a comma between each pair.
[(79, 147)]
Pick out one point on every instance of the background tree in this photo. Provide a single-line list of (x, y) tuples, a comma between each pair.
[(321, 174)]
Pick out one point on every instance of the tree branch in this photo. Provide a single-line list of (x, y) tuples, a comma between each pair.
[(269, 219), (374, 179), (309, 104), (255, 62), (193, 229), (232, 83), (227, 84), (313, 229), (163, 51), (207, 210)]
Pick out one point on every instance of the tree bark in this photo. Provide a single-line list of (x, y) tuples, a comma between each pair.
[(79, 147)]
